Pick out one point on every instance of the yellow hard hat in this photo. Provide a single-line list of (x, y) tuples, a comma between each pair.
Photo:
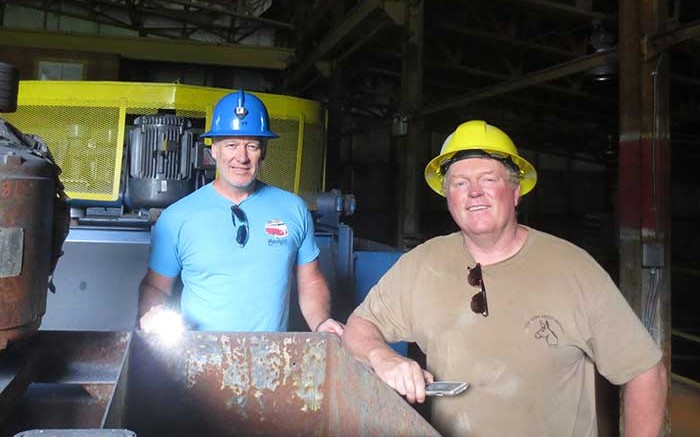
[(485, 140)]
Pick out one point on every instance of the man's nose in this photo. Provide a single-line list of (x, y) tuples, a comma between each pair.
[(475, 190), (241, 154)]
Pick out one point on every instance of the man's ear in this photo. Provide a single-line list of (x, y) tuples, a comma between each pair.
[(263, 149), (516, 194), (214, 151)]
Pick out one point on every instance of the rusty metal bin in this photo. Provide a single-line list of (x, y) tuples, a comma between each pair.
[(260, 384), (233, 384)]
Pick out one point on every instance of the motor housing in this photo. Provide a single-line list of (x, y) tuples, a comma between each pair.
[(160, 161), (33, 225), (34, 220)]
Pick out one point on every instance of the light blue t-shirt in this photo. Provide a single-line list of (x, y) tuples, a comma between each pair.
[(227, 287)]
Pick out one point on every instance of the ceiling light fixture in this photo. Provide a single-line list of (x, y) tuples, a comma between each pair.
[(602, 40)]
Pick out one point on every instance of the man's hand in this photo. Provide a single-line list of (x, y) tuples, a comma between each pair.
[(403, 375), (366, 343), (161, 319), (331, 326), (148, 321)]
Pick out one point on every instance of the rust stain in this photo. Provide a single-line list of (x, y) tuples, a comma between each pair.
[(251, 366), (309, 383), (268, 367)]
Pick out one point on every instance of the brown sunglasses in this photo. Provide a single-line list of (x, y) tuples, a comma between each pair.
[(479, 304)]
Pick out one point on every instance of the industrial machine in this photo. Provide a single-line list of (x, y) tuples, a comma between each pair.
[(127, 151), (160, 169), (33, 221)]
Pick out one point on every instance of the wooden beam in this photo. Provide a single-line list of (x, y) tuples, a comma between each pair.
[(535, 78), (232, 55)]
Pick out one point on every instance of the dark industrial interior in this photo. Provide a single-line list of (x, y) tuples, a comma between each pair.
[(602, 96)]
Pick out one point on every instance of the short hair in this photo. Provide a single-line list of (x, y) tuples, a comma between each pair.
[(512, 176), (263, 147)]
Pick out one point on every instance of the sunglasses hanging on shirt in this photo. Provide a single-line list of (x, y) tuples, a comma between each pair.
[(478, 303), (240, 222)]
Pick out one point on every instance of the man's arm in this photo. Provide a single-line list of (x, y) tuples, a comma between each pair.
[(366, 343), (645, 402), (154, 292), (315, 299)]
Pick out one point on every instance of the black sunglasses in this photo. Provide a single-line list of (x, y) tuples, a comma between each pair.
[(242, 231), (475, 279)]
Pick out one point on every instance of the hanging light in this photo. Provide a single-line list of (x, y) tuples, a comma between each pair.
[(602, 40)]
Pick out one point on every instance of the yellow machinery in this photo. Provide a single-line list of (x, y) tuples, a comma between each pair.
[(107, 137), (87, 126)]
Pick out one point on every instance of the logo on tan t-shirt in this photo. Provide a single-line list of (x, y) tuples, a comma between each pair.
[(546, 328)]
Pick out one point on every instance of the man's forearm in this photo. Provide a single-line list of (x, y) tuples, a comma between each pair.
[(314, 295), (365, 342), (149, 297), (315, 304), (645, 402)]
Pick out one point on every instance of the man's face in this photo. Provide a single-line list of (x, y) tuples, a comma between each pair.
[(480, 197), (237, 160)]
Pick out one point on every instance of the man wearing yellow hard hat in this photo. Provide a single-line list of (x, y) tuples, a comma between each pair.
[(522, 316)]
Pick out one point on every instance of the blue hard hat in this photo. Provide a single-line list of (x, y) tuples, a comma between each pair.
[(240, 114)]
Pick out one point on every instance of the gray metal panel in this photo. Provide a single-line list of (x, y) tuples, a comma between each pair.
[(97, 281)]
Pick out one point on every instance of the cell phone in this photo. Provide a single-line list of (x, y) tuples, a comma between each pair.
[(445, 388)]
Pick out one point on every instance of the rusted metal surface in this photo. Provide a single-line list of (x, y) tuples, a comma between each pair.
[(73, 382), (363, 405), (208, 384), (18, 367), (267, 384), (222, 384), (26, 211), (75, 357)]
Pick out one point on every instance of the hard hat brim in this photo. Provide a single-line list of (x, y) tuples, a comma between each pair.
[(213, 134), (434, 178)]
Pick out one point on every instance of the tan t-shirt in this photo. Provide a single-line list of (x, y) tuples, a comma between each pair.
[(553, 313)]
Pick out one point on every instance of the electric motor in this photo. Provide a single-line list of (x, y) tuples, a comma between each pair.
[(34, 220), (33, 224), (160, 161)]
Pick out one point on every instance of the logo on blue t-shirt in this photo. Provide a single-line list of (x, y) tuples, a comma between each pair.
[(276, 231)]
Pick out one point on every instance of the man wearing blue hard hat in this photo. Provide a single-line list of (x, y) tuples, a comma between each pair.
[(237, 243)]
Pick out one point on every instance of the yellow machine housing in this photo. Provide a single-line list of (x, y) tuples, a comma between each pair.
[(85, 126)]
